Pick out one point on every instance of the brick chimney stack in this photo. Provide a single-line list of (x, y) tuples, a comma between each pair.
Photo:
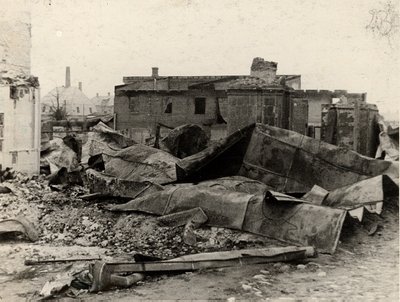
[(263, 69), (154, 72), (67, 77), (80, 86)]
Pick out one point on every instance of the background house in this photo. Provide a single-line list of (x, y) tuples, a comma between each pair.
[(72, 99), (223, 104), (142, 102), (104, 104)]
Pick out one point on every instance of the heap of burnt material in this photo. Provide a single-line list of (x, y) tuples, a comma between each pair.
[(185, 140), (284, 160), (263, 161), (388, 148)]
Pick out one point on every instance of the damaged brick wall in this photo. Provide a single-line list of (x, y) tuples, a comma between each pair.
[(319, 98), (347, 125), (298, 116), (146, 109), (269, 107), (263, 69), (315, 100)]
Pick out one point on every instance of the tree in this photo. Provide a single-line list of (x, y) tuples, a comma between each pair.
[(58, 112)]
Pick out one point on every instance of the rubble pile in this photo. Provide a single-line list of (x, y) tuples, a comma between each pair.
[(240, 193), (64, 219), (90, 225), (240, 201), (25, 191)]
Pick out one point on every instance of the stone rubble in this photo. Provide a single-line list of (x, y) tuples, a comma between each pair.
[(64, 219)]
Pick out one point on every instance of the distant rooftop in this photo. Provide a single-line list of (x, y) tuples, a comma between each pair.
[(262, 75)]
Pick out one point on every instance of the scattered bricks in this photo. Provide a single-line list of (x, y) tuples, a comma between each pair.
[(321, 274), (246, 287), (284, 268)]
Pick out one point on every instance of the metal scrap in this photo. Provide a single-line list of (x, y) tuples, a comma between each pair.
[(388, 148), (191, 219), (284, 160), (271, 214), (19, 225), (5, 190), (368, 194), (141, 163), (184, 140), (49, 261), (107, 185), (316, 195), (105, 274), (60, 155), (103, 140)]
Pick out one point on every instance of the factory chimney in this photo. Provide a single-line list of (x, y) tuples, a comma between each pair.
[(67, 77)]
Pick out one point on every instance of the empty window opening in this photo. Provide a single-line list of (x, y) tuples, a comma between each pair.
[(1, 128), (220, 119), (199, 105), (90, 110), (77, 109), (134, 104), (168, 106), (14, 158), (13, 92)]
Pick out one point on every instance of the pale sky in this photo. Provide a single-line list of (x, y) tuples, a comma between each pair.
[(323, 40)]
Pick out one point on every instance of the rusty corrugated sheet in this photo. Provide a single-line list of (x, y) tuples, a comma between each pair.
[(284, 160), (274, 215)]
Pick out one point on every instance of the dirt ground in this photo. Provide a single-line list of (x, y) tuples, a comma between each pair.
[(365, 266)]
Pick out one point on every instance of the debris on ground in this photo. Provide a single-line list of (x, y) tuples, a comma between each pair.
[(260, 187), (107, 185), (105, 274), (316, 195), (6, 174), (59, 155), (57, 286), (388, 148), (141, 163), (75, 144), (62, 178), (366, 194), (18, 226), (103, 140), (258, 214), (40, 261), (184, 141), (5, 190)]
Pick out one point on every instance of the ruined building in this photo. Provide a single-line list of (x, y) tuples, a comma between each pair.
[(19, 96), (223, 104), (144, 101), (352, 124)]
